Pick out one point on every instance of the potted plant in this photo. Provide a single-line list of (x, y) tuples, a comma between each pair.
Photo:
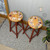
[(47, 38)]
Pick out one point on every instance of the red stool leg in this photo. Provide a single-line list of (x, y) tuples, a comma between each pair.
[(31, 35), (22, 25), (38, 32), (25, 29), (16, 30), (10, 25)]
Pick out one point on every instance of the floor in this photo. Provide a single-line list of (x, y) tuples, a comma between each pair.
[(1, 21), (3, 47), (22, 43)]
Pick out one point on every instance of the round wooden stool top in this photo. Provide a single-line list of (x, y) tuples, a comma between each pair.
[(15, 16), (35, 22)]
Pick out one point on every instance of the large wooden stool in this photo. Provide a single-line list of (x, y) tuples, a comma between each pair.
[(35, 23), (15, 17)]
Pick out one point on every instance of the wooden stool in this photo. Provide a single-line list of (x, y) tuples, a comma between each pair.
[(34, 22), (15, 16)]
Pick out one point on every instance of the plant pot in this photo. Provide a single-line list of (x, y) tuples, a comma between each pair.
[(48, 45)]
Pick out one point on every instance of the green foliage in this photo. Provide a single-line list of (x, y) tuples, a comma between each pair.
[(47, 23), (44, 39), (48, 38), (48, 28), (48, 32)]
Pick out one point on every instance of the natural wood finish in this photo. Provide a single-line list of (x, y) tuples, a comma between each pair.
[(15, 16), (2, 15), (7, 9), (43, 28), (35, 21), (25, 22), (6, 6), (1, 20)]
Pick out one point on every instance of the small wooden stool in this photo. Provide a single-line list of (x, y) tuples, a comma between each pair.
[(34, 22), (15, 16)]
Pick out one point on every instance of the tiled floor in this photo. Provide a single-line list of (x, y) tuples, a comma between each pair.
[(22, 43)]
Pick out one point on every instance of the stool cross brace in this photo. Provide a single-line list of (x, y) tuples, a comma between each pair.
[(30, 38)]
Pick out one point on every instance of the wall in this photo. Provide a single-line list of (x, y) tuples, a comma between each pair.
[(31, 7)]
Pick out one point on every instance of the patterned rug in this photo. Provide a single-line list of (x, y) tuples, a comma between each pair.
[(2, 20)]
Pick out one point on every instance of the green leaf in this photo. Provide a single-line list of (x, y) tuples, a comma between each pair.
[(48, 29), (44, 39), (47, 22), (48, 33)]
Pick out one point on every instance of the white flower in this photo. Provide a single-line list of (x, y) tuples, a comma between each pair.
[(18, 18), (13, 18), (14, 12)]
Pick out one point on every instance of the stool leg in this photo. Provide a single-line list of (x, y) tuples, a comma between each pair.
[(10, 25), (25, 29), (22, 25), (16, 30), (38, 32), (31, 35)]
